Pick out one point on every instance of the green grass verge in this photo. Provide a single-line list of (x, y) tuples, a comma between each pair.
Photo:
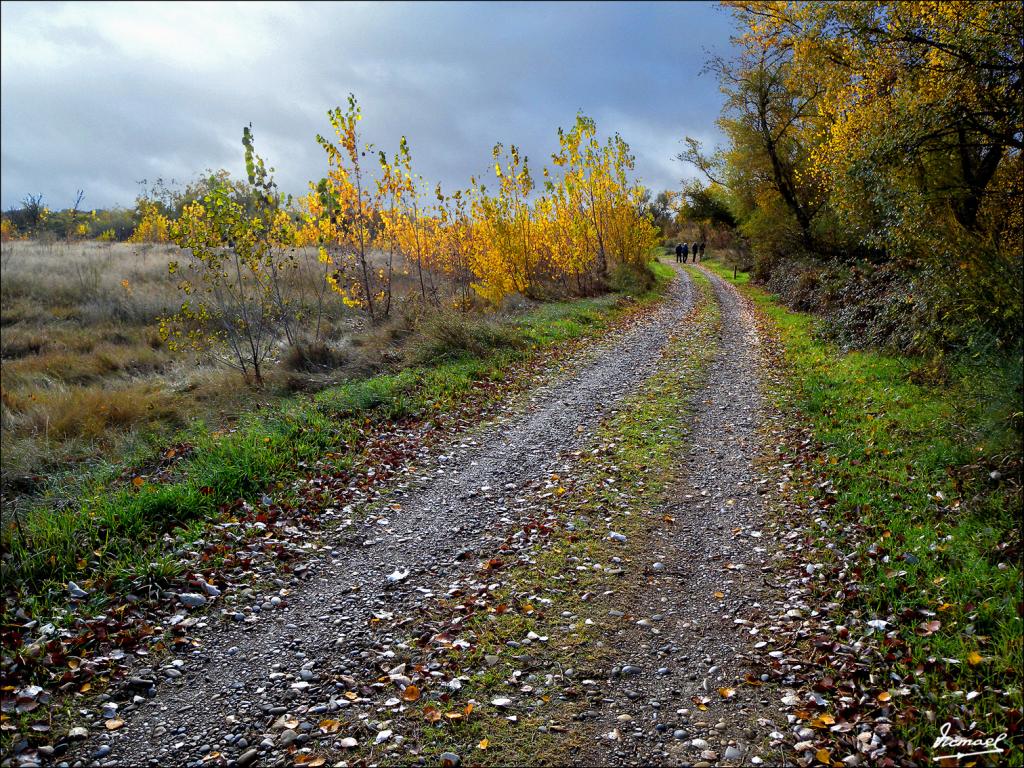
[(106, 532), (912, 462)]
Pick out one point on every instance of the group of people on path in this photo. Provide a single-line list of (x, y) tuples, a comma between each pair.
[(683, 250)]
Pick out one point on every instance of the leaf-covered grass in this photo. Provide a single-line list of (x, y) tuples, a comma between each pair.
[(108, 531), (913, 463)]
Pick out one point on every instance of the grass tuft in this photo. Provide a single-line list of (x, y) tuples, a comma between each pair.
[(450, 336)]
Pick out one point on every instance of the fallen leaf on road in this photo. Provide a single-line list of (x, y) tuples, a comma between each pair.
[(411, 693)]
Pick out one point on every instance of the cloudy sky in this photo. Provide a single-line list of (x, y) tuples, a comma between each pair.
[(97, 96)]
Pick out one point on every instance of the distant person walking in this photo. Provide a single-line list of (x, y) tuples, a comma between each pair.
[(679, 253), (686, 252)]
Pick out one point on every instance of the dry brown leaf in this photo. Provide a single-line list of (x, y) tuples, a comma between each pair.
[(824, 756), (484, 744), (330, 726), (411, 693), (927, 628), (431, 714), (727, 693)]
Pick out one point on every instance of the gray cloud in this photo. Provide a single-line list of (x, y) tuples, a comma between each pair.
[(98, 96)]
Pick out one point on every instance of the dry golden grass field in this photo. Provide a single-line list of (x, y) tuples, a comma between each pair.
[(85, 374)]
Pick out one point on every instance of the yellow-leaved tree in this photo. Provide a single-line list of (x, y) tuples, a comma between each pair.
[(394, 187), (153, 226), (453, 243), (350, 232), (904, 127), (234, 308), (598, 209), (504, 252)]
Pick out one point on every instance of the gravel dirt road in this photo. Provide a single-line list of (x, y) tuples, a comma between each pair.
[(230, 700)]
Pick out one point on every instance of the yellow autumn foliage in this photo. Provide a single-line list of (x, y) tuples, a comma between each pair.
[(589, 221), (153, 226)]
